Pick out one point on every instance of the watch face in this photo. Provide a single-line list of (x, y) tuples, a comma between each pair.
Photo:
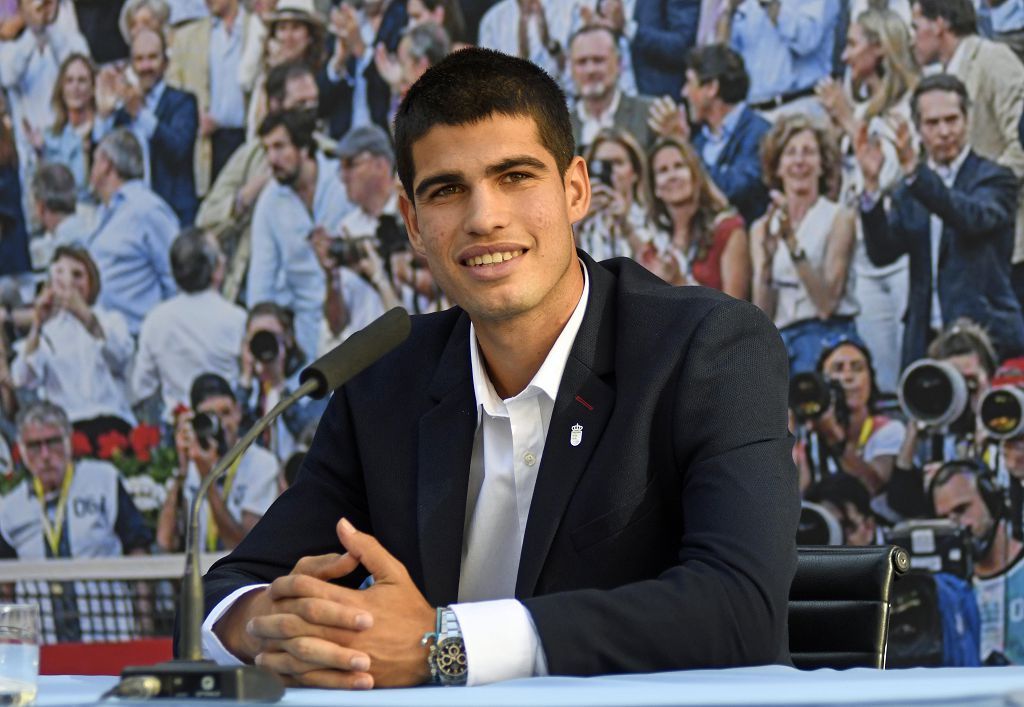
[(451, 658)]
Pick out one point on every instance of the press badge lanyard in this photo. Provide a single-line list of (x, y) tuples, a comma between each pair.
[(53, 532), (212, 533), (865, 433)]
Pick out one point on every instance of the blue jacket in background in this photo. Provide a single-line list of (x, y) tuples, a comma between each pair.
[(14, 257), (737, 171), (666, 31)]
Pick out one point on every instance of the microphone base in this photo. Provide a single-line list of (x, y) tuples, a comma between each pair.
[(202, 679)]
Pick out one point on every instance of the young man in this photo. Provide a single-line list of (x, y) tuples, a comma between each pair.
[(550, 476)]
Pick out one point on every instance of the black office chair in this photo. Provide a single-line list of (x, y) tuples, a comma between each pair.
[(839, 605)]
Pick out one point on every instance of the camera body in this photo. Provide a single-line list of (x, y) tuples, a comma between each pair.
[(209, 432), (936, 545), (811, 394), (601, 171)]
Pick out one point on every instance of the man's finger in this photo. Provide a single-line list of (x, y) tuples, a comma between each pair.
[(370, 553), (333, 679), (326, 613), (326, 567), (305, 654), (274, 629)]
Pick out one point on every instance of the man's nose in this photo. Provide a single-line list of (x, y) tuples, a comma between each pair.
[(487, 211)]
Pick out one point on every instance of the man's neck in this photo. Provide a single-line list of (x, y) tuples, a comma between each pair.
[(305, 187), (376, 202), (514, 350), (230, 13), (948, 47), (717, 113), (598, 106), (107, 191), (1001, 555), (52, 220)]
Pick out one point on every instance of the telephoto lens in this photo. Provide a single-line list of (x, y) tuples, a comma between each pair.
[(209, 431), (264, 346), (934, 393), (1002, 412), (810, 395)]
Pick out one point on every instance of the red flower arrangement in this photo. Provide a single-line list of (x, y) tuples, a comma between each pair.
[(144, 439), (80, 444), (111, 443)]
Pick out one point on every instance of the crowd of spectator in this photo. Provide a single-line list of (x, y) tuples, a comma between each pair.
[(198, 197)]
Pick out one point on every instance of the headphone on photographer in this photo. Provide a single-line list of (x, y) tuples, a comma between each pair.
[(992, 495)]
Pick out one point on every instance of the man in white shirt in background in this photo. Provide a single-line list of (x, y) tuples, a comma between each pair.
[(196, 330)]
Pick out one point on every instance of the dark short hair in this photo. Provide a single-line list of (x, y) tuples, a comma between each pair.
[(278, 77), (472, 84), (939, 82), (958, 14), (964, 337), (209, 385), (193, 260), (717, 62), (299, 124), (54, 187), (840, 489)]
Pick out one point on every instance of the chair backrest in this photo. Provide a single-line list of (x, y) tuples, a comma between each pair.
[(839, 605)]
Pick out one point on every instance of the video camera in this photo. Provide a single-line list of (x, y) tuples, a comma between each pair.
[(935, 545), (936, 394)]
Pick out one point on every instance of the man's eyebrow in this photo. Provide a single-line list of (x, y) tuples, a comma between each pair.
[(509, 163)]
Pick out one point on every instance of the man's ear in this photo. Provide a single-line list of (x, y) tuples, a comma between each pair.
[(577, 189), (412, 226)]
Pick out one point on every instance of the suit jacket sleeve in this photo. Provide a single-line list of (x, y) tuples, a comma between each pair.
[(666, 43), (175, 134), (884, 236), (741, 182), (989, 206), (725, 601)]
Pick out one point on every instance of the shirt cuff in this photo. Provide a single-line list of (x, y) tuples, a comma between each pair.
[(501, 641), (212, 647)]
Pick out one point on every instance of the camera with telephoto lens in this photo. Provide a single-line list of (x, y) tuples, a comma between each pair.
[(936, 394), (1002, 412), (811, 395), (209, 432), (346, 251), (264, 346)]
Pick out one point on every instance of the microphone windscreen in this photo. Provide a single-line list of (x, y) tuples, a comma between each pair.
[(357, 352)]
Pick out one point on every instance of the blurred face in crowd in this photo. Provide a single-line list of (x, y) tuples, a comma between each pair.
[(942, 125), (100, 175), (959, 501), (624, 177), (77, 86), (284, 158), (699, 97), (69, 274), (142, 19), (974, 375), (39, 13), (148, 59), (928, 35), (1013, 456), (595, 65), (301, 92), (220, 8), (800, 164), (493, 218), (294, 37), (673, 178), (848, 366), (419, 14), (229, 412), (858, 529), (46, 450), (365, 176), (861, 56), (412, 68)]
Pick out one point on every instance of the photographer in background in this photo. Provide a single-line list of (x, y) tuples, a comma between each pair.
[(965, 491), (271, 360), (202, 435), (846, 498), (967, 347)]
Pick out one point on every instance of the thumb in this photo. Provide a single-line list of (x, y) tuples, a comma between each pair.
[(370, 553)]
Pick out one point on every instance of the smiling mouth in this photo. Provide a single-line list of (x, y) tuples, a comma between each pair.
[(491, 258)]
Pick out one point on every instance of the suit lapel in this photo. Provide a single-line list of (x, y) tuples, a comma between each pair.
[(963, 177), (586, 400), (445, 449)]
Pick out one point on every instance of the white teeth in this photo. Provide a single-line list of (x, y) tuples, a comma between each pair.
[(492, 258)]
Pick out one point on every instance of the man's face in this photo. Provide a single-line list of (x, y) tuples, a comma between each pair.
[(361, 175), (148, 59), (301, 92), (230, 414), (98, 172), (39, 13), (219, 8), (699, 97), (942, 125), (927, 36), (412, 68), (46, 451), (595, 65), (974, 375), (858, 529), (284, 159), (494, 219), (959, 501)]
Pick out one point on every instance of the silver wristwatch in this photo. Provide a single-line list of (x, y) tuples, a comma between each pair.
[(447, 657)]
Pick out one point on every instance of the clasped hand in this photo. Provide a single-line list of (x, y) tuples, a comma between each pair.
[(314, 633)]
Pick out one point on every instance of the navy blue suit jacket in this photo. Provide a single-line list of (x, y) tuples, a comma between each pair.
[(666, 30), (664, 540), (978, 216), (737, 171), (171, 148)]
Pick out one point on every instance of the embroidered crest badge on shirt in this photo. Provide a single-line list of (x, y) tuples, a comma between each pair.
[(576, 435)]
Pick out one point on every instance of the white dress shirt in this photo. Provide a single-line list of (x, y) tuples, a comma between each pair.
[(500, 637), (74, 369), (948, 175), (189, 334)]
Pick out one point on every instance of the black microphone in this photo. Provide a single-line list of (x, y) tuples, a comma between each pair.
[(191, 676)]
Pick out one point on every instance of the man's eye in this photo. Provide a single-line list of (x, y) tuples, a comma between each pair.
[(446, 190), (516, 176)]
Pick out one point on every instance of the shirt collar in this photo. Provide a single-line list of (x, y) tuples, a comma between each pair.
[(240, 20), (155, 94), (958, 56), (728, 124), (548, 376), (950, 171), (607, 117)]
